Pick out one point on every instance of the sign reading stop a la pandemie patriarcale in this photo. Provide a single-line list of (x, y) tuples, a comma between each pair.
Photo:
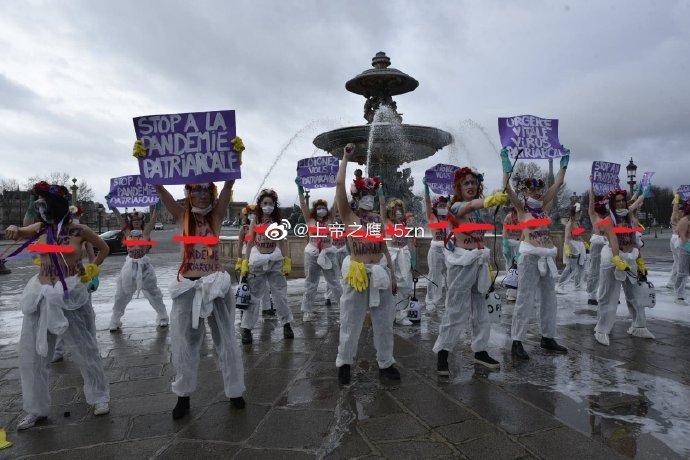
[(531, 137), (605, 177), (186, 148), (318, 172), (130, 191), (440, 178), (684, 192)]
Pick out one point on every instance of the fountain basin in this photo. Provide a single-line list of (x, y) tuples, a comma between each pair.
[(403, 142)]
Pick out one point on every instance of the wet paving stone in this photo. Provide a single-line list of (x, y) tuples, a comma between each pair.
[(207, 450), (129, 449), (494, 445), (222, 423), (312, 394), (467, 430), (565, 444), (415, 449), (307, 429), (270, 454), (264, 386), (430, 405), (391, 427)]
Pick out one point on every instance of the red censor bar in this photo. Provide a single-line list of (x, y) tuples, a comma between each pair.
[(439, 225), (139, 243), (260, 228), (49, 248), (627, 230), (208, 240), (537, 222), (247, 237), (512, 227), (603, 222), (466, 228), (578, 231)]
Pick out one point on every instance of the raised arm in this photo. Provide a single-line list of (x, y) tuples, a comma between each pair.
[(15, 233), (427, 198), (116, 212), (382, 205), (170, 204), (344, 210), (637, 203), (302, 201), (590, 209), (154, 217), (511, 193), (568, 231), (223, 201), (90, 237), (675, 214), (560, 177)]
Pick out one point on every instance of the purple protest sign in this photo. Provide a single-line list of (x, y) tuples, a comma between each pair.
[(440, 178), (533, 137), (130, 191), (684, 192), (318, 172), (646, 181), (187, 148), (605, 177)]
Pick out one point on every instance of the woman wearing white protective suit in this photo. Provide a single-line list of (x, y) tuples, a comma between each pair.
[(202, 291), (599, 216), (137, 274), (339, 237), (683, 255), (403, 251), (437, 211), (512, 232), (56, 303), (319, 253), (574, 252), (267, 265), (536, 266), (621, 264), (367, 281), (676, 215), (248, 214), (469, 274)]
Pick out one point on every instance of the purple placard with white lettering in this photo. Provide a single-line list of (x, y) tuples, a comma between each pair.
[(440, 178), (188, 148), (533, 137), (318, 172), (647, 181), (605, 177), (130, 191), (684, 192)]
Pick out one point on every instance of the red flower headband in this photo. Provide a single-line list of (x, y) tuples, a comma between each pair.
[(210, 186), (367, 184), (320, 202), (439, 200), (53, 189), (249, 208), (462, 172), (618, 191)]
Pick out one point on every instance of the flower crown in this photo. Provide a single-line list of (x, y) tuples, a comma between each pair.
[(53, 189), (613, 193), (270, 193), (76, 211), (462, 172), (367, 184), (320, 202), (210, 186), (136, 215), (439, 200), (393, 204), (247, 209), (524, 184)]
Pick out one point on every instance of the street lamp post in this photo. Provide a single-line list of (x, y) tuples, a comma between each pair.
[(632, 170), (74, 191), (99, 208), (306, 197)]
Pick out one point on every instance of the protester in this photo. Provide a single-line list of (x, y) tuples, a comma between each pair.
[(437, 211)]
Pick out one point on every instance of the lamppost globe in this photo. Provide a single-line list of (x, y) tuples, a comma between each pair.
[(632, 171)]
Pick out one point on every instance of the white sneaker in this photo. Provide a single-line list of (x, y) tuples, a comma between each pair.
[(29, 420), (403, 320), (642, 332), (680, 301), (630, 329), (307, 317), (602, 338), (101, 408)]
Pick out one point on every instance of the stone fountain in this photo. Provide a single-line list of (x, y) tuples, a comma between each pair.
[(385, 142)]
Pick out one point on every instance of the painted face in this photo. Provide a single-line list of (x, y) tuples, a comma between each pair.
[(42, 209), (535, 193), (468, 187)]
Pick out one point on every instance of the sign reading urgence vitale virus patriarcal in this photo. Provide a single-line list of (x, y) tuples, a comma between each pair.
[(185, 148)]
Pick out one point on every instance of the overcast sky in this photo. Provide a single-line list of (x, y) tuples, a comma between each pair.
[(73, 74)]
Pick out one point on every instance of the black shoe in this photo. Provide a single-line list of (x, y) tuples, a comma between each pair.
[(592, 302), (344, 374), (182, 407), (518, 351), (287, 332), (442, 362), (483, 358), (246, 336), (237, 403), (390, 372), (328, 302), (551, 344)]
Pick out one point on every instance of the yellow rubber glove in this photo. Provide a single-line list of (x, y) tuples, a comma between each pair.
[(676, 198), (91, 271), (641, 266), (3, 439), (492, 274), (568, 252), (357, 276), (587, 245), (238, 264), (244, 268), (238, 145), (287, 266), (139, 151), (620, 263), (497, 199), (37, 261)]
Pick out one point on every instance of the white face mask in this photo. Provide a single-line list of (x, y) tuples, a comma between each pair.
[(398, 214), (322, 212), (534, 204), (442, 211), (251, 217), (622, 212), (202, 211), (267, 209), (366, 202)]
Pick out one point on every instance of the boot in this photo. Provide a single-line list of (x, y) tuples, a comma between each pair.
[(518, 351), (551, 344), (287, 331), (246, 336), (442, 363), (344, 374), (182, 407)]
